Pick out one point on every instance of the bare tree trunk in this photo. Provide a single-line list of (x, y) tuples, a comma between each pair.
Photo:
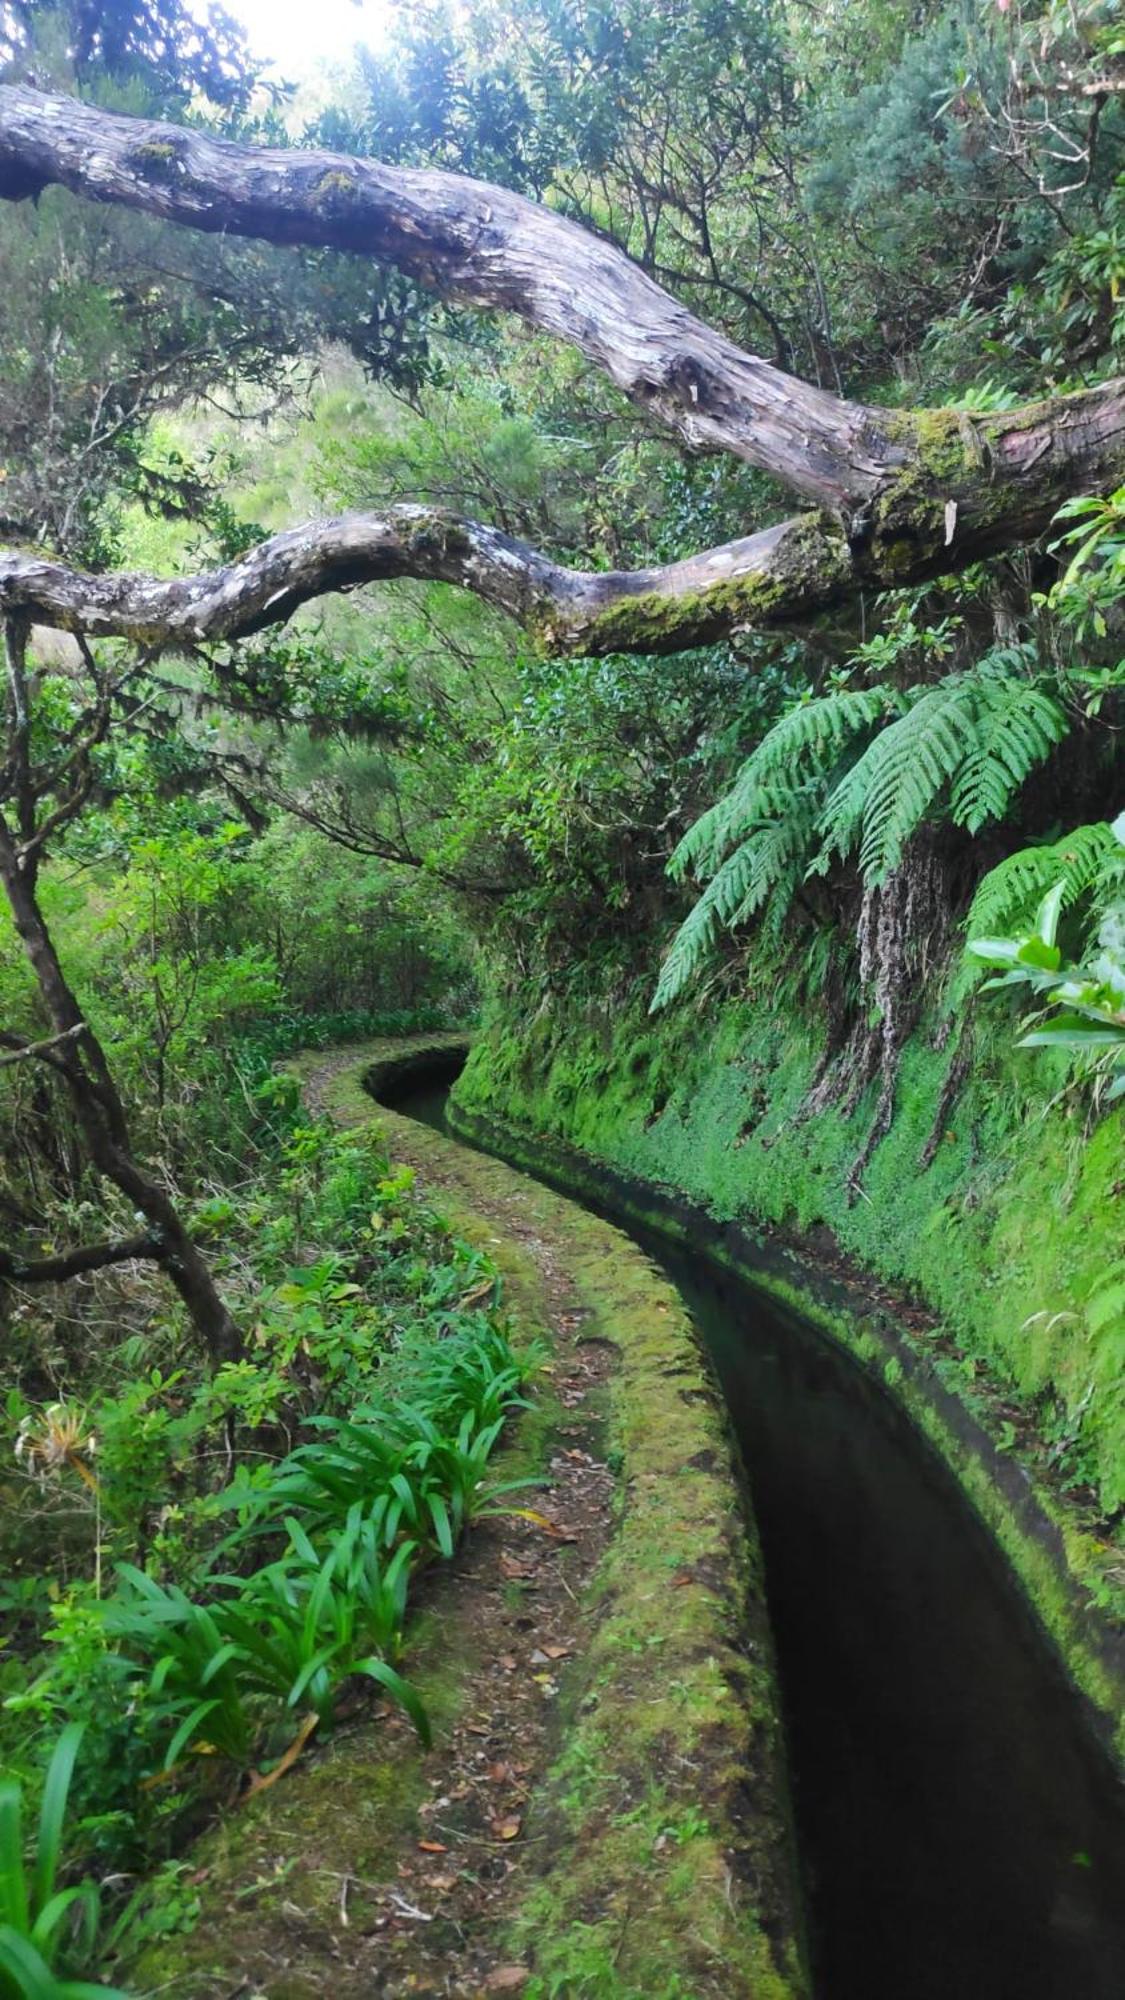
[(79, 1057)]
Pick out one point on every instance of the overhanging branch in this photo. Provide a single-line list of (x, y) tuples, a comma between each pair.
[(788, 571), (475, 243), (905, 495)]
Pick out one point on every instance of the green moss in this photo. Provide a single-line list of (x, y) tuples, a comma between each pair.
[(276, 1866), (333, 190), (673, 1704), (1005, 1236), (667, 1712), (156, 159), (811, 554)]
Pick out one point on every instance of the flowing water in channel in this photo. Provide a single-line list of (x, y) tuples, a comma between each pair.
[(961, 1833)]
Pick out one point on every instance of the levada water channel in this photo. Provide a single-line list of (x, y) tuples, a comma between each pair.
[(960, 1828)]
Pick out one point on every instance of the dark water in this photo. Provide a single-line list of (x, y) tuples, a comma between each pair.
[(961, 1832)]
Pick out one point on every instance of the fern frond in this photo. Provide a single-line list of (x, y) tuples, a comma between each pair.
[(1018, 725), (887, 792), (767, 868), (976, 736), (1089, 857), (1105, 1307), (805, 742), (750, 803)]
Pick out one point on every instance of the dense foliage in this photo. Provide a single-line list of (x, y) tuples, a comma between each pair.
[(357, 823)]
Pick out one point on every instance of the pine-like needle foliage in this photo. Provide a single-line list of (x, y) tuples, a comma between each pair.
[(859, 771)]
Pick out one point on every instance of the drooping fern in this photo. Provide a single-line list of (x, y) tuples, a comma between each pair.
[(807, 742), (964, 746), (1088, 858), (974, 738), (763, 874)]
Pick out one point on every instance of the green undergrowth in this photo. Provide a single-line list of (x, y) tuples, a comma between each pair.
[(238, 1550), (1005, 1236), (663, 1825)]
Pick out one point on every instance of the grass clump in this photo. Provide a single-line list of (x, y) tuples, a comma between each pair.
[(239, 1547)]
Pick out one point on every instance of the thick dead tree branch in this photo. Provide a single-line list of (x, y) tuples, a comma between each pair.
[(472, 242), (1004, 482), (911, 494)]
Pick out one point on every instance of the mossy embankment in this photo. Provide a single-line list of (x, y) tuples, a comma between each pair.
[(653, 1858), (963, 1282)]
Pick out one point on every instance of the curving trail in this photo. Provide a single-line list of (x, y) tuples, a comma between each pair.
[(599, 1696)]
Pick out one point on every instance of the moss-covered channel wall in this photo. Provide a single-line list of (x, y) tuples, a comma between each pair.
[(1003, 1238), (655, 1854), (667, 1795)]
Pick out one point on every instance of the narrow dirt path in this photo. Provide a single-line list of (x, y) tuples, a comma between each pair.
[(576, 1829)]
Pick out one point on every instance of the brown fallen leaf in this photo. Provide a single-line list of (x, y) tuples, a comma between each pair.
[(507, 1979), (432, 1847), (498, 1773), (557, 1652), (507, 1829), (474, 1297), (509, 1662), (557, 1532)]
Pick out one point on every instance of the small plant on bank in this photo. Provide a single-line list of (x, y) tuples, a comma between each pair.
[(362, 1306), (1080, 1004), (44, 1927)]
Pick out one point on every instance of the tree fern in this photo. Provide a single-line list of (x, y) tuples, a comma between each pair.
[(764, 873), (1090, 857), (975, 736), (965, 745), (806, 742), (1018, 725)]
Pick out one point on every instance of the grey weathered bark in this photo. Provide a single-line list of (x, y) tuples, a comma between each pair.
[(912, 494), (472, 242), (782, 572)]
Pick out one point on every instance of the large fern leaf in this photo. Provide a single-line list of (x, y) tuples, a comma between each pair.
[(1089, 857), (967, 743), (767, 868), (975, 736), (807, 741), (1017, 727)]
